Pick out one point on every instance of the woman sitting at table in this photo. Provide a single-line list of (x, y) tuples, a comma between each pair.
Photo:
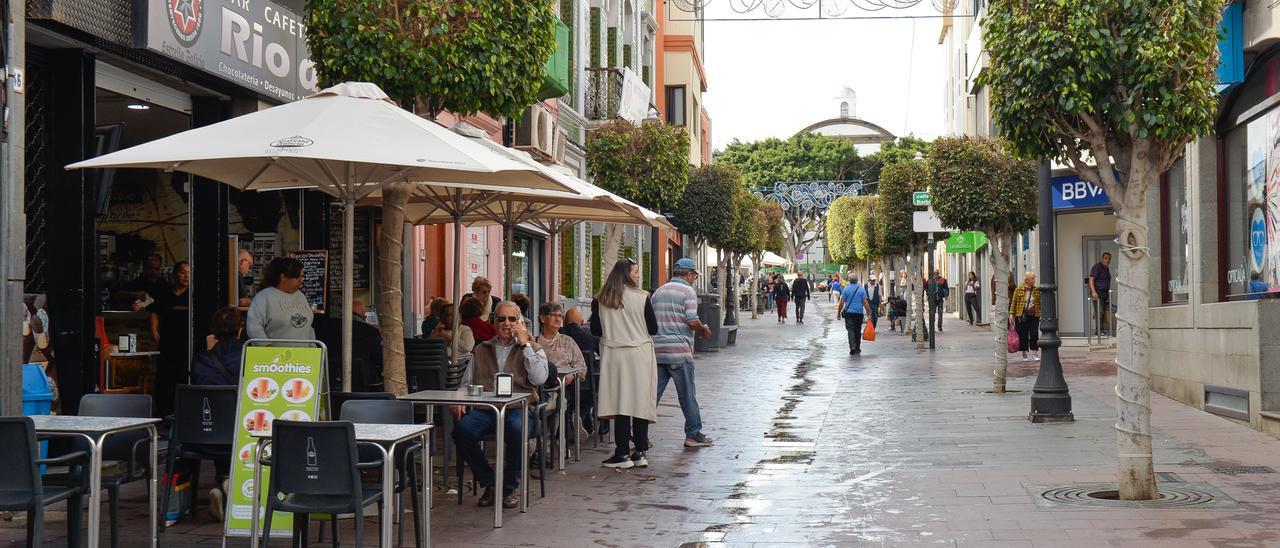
[(481, 330), (220, 365), (561, 349)]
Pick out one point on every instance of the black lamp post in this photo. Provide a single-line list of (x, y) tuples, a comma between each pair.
[(1050, 399)]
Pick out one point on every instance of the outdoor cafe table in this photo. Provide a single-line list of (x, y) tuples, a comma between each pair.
[(499, 405), (95, 431), (385, 437), (577, 414)]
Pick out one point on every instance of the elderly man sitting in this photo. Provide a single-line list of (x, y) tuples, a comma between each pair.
[(511, 351)]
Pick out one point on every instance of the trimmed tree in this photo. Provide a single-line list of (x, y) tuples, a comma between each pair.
[(977, 185), (864, 232), (841, 221), (465, 56), (894, 232), (706, 207), (770, 237), (741, 239), (1116, 90), (647, 164)]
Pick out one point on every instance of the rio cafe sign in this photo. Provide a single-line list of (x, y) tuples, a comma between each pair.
[(255, 43)]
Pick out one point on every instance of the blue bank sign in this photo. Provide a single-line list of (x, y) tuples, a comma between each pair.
[(1069, 192)]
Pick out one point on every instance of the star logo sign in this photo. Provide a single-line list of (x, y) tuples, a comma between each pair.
[(186, 18)]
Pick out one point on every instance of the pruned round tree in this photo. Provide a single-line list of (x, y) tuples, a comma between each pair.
[(864, 232), (1115, 89), (841, 219), (647, 164), (464, 56), (772, 237), (706, 207), (978, 185), (894, 232)]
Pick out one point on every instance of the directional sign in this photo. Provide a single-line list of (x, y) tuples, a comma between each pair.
[(921, 199), (927, 221)]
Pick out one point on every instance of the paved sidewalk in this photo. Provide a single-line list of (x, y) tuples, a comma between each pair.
[(895, 447)]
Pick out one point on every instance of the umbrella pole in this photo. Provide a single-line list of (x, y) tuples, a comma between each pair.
[(457, 279), (509, 234), (348, 253)]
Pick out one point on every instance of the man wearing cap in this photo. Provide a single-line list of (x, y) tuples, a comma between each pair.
[(873, 294), (675, 305)]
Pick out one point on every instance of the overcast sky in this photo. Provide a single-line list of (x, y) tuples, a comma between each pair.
[(773, 78)]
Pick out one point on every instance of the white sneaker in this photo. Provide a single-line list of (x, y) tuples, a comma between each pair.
[(216, 503), (1036, 358)]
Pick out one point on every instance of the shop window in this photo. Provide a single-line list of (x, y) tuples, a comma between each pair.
[(1252, 209), (1176, 244)]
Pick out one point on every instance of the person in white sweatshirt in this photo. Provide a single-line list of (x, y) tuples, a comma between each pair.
[(280, 310)]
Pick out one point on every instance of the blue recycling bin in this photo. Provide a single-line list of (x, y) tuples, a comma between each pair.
[(37, 397)]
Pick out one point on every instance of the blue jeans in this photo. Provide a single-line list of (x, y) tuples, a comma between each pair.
[(472, 428), (683, 377)]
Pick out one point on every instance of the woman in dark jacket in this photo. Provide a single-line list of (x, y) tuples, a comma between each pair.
[(782, 296), (220, 365)]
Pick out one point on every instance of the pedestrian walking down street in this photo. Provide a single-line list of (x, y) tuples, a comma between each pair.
[(940, 293), (873, 294), (1025, 310), (971, 292), (800, 292), (622, 316), (675, 306), (853, 307), (781, 296), (834, 288)]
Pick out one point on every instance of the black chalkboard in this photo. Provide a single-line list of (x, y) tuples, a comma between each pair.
[(360, 279), (315, 274)]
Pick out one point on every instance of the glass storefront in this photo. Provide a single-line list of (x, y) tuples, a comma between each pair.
[(1177, 248), (1253, 207)]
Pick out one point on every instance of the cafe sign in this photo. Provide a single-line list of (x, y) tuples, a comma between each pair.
[(257, 44)]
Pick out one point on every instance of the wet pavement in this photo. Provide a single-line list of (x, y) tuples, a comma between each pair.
[(894, 447)]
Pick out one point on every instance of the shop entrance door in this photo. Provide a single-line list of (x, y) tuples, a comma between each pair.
[(1099, 324)]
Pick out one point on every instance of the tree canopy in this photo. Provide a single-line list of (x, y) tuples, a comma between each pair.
[(706, 208), (977, 185), (803, 157), (898, 181), (841, 219), (465, 56), (903, 149), (647, 164), (773, 227), (864, 231)]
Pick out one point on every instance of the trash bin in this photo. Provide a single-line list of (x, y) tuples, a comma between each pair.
[(709, 313), (37, 397)]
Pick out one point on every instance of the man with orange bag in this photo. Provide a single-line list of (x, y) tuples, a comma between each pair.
[(854, 305)]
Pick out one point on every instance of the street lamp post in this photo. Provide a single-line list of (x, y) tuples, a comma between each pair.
[(1051, 398)]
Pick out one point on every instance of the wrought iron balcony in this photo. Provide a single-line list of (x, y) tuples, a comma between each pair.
[(603, 93)]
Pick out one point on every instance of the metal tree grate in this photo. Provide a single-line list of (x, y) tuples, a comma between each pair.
[(1232, 469), (1105, 495)]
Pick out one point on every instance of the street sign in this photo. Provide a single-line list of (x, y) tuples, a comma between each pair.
[(966, 242), (927, 221), (921, 199)]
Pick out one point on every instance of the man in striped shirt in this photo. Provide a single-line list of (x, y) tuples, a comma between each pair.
[(675, 305)]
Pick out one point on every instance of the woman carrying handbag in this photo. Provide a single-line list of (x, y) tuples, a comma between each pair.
[(1025, 310)]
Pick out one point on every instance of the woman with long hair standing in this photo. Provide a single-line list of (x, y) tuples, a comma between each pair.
[(781, 296), (622, 316), (971, 292)]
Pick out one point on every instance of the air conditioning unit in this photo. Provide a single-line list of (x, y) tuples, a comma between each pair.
[(561, 142), (537, 132)]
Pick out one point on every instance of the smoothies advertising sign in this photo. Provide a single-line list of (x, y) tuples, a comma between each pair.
[(277, 383)]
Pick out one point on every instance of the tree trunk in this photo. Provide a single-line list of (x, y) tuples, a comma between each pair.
[(755, 276), (1133, 427), (390, 309), (917, 300), (1001, 243), (612, 245)]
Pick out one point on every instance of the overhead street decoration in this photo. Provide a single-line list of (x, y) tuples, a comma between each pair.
[(807, 196)]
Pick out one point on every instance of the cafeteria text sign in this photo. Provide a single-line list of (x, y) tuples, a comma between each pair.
[(277, 382), (258, 44)]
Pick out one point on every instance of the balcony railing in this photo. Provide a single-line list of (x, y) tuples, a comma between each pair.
[(603, 93)]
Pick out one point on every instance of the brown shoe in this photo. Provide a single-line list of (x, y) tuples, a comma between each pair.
[(486, 498), (510, 498)]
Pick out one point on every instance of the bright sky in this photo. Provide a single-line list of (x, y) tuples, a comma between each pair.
[(773, 78)]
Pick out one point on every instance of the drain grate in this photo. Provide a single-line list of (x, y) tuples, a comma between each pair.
[(1104, 495), (1162, 477), (983, 391), (1235, 469)]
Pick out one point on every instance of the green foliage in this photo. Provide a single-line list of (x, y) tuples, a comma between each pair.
[(804, 157), (1129, 83), (864, 232), (977, 185), (773, 235), (594, 31), (903, 149), (465, 56), (841, 221), (893, 206), (647, 164), (706, 208), (747, 233)]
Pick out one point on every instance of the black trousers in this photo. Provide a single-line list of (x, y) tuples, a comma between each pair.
[(800, 309), (1028, 328), (853, 326), (972, 308), (626, 431)]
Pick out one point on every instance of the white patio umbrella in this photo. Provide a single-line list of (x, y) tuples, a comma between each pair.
[(346, 141), (553, 211)]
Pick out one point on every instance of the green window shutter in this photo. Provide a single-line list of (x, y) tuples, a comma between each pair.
[(644, 75), (626, 56), (647, 279), (611, 43), (595, 37), (567, 16), (597, 251), (568, 264)]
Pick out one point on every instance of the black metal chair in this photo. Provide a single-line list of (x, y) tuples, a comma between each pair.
[(337, 399), (130, 448), (204, 428), (406, 475), (314, 470), (22, 489)]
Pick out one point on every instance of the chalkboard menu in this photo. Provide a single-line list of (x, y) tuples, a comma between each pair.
[(361, 245), (315, 273)]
